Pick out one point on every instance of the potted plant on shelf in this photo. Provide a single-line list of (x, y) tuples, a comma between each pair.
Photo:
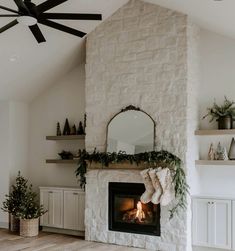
[(224, 114), (14, 201), (29, 214)]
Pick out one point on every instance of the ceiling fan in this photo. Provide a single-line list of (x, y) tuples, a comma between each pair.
[(30, 15)]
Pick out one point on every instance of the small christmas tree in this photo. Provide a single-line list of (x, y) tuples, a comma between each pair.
[(15, 199), (80, 129), (58, 131), (66, 130)]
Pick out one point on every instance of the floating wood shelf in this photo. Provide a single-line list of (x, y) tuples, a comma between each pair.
[(66, 137), (61, 161), (215, 162), (215, 132)]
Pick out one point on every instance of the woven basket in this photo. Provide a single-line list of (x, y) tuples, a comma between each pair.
[(29, 228)]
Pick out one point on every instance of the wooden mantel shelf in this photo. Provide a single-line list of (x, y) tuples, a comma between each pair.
[(118, 166), (61, 161), (66, 137), (215, 132), (215, 162)]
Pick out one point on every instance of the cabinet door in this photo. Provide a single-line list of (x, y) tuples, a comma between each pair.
[(74, 210), (220, 224), (201, 217), (233, 225), (52, 200)]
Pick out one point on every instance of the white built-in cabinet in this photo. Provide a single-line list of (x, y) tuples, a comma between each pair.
[(212, 223), (66, 207)]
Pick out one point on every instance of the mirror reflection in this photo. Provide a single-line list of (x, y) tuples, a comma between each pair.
[(131, 131)]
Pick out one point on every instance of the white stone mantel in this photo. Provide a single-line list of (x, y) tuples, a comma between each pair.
[(143, 55), (96, 220)]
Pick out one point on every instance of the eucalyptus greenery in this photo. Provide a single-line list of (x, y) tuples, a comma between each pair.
[(216, 111), (154, 159)]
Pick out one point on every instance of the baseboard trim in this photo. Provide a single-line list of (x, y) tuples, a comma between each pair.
[(4, 225), (63, 231)]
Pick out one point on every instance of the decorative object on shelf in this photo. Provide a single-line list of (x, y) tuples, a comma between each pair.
[(66, 130), (66, 155), (219, 152), (85, 118), (58, 130), (211, 153), (14, 201), (154, 159), (225, 153), (74, 130), (80, 129), (224, 114), (231, 153)]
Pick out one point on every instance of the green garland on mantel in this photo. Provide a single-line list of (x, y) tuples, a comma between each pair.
[(154, 158)]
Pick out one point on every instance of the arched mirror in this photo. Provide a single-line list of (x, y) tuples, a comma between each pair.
[(132, 131)]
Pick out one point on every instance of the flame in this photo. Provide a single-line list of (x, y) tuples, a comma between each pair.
[(140, 215)]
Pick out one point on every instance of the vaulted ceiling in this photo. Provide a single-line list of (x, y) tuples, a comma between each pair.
[(27, 68)]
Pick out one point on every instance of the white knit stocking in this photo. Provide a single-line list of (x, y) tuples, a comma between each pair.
[(147, 195), (157, 186), (166, 182)]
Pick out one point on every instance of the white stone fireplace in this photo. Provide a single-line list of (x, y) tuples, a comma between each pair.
[(144, 55)]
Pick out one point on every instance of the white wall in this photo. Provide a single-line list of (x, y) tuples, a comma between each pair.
[(13, 147), (64, 100), (4, 156), (218, 79)]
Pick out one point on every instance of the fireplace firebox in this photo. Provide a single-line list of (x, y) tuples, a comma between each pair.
[(128, 214)]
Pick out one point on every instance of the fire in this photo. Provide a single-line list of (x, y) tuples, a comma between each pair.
[(140, 215)]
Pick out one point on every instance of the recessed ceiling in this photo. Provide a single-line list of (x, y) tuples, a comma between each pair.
[(28, 68)]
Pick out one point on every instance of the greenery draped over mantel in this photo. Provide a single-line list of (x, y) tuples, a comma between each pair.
[(154, 159)]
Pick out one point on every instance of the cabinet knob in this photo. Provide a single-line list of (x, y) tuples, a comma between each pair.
[(75, 193), (209, 203), (50, 192)]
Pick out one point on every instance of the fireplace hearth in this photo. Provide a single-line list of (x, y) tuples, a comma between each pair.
[(128, 214)]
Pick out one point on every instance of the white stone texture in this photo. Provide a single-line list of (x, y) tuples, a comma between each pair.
[(141, 55)]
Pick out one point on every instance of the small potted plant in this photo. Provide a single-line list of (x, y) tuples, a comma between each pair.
[(14, 201), (224, 114), (29, 214)]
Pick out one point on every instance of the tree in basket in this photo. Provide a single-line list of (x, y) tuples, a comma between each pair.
[(29, 213), (224, 114), (14, 201)]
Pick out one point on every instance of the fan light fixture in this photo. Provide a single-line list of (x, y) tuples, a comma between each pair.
[(30, 14), (27, 20)]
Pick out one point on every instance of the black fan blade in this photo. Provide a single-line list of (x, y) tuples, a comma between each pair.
[(49, 4), (22, 7), (71, 16), (8, 26), (37, 33), (62, 28), (5, 8), (11, 15)]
